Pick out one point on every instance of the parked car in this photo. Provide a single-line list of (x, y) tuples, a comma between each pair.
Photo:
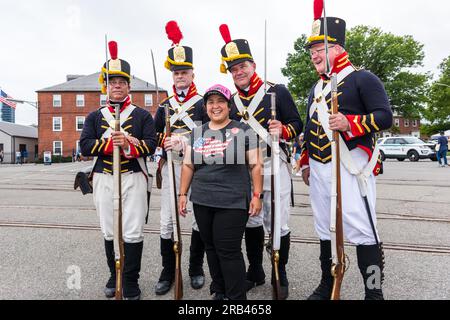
[(409, 147)]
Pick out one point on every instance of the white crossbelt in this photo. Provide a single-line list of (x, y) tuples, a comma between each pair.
[(252, 122), (123, 117), (181, 111)]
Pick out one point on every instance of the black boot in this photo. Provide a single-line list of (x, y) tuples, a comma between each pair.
[(110, 289), (197, 251), (323, 291), (370, 263), (131, 269), (254, 243), (284, 256), (168, 272)]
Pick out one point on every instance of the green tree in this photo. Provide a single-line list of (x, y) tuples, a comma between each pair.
[(438, 110), (389, 56)]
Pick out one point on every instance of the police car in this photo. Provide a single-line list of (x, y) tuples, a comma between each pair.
[(402, 148)]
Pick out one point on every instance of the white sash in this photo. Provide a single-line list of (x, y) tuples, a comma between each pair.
[(252, 122), (181, 111)]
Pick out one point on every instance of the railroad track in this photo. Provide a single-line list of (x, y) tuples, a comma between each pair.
[(380, 215), (408, 247), (390, 216)]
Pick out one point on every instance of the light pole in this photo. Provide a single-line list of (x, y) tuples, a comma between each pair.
[(34, 104)]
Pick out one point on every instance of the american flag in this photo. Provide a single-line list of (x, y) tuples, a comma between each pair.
[(209, 146), (3, 97)]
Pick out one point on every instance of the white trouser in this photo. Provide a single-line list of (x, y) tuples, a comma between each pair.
[(166, 223), (356, 222), (264, 218), (134, 205)]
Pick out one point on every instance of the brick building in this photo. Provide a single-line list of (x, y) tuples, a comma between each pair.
[(402, 127), (64, 107)]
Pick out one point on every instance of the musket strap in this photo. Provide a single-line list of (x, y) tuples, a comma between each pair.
[(181, 111)]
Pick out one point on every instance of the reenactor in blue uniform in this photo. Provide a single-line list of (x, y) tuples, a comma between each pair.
[(186, 112), (137, 140), (251, 104), (363, 110)]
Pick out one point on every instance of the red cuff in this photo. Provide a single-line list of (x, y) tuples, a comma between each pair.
[(285, 133), (356, 128), (108, 150), (304, 158)]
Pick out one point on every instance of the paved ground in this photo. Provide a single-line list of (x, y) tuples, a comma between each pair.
[(39, 262)]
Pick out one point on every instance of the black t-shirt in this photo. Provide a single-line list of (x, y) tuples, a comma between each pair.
[(221, 176)]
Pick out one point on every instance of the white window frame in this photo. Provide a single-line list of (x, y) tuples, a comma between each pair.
[(414, 123), (57, 98), (54, 148), (76, 122), (397, 122), (148, 100), (80, 100), (77, 147), (60, 124), (406, 123), (103, 99)]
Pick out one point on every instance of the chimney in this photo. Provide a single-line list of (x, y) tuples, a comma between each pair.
[(71, 77)]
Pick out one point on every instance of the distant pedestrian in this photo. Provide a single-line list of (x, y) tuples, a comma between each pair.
[(443, 149), (18, 157), (24, 156), (1, 156)]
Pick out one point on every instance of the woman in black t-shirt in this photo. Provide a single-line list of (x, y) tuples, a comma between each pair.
[(216, 167)]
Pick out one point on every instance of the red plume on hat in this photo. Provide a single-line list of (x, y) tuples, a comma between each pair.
[(173, 32), (113, 49), (225, 32), (318, 9)]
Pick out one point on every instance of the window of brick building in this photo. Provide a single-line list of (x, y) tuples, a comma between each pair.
[(79, 123), (414, 123), (57, 100), (57, 148), (57, 124), (148, 100), (80, 100), (406, 122), (397, 122)]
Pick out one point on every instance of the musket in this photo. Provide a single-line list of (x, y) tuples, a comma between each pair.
[(336, 227), (275, 186), (177, 244), (117, 195), (156, 79)]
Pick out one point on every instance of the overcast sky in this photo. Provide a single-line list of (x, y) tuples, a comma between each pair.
[(43, 41)]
